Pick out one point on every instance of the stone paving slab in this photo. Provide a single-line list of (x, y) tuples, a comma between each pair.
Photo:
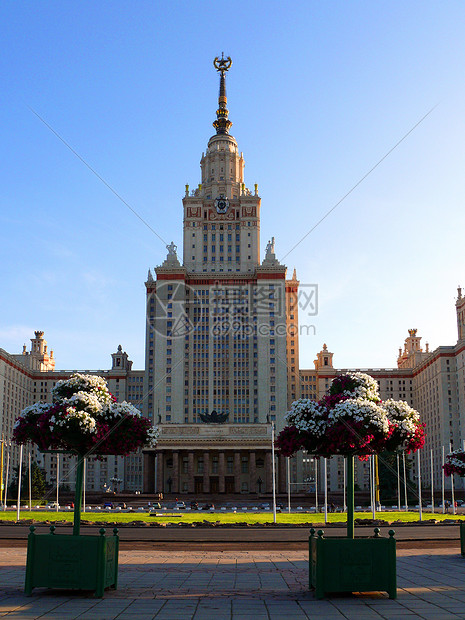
[(235, 585)]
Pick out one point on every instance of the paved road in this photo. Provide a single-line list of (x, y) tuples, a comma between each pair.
[(249, 536)]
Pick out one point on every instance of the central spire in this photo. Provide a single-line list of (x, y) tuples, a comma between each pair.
[(222, 123)]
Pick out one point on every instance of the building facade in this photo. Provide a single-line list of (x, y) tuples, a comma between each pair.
[(29, 377), (222, 358), (219, 329)]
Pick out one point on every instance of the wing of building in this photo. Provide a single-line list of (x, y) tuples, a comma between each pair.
[(222, 355)]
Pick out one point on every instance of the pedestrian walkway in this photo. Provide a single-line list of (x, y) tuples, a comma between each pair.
[(238, 585)]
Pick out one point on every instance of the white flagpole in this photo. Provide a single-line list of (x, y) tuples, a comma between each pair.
[(420, 509), (58, 479), (344, 486), (452, 486), (432, 483), (372, 486), (30, 483), (398, 482), (442, 469), (288, 484), (405, 483), (84, 487), (7, 476), (273, 473), (326, 489), (20, 473), (316, 484)]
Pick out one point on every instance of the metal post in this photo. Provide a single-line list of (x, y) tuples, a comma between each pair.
[(58, 480), (405, 482), (325, 471), (344, 485), (316, 484), (84, 485), (30, 482), (7, 475), (78, 495), (452, 486), (20, 473), (372, 485), (350, 497), (432, 483), (1, 471), (420, 509), (398, 482), (288, 484), (273, 472), (376, 476), (442, 469)]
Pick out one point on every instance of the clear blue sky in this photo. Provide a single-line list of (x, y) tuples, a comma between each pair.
[(318, 93)]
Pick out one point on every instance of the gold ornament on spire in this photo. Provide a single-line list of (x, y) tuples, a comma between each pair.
[(222, 124)]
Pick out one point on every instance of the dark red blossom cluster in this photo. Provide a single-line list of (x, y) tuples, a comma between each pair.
[(346, 435), (455, 463), (53, 427)]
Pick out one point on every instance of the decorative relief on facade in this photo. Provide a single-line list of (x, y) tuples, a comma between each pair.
[(249, 212)]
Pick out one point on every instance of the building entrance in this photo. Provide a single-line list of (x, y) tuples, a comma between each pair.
[(229, 484)]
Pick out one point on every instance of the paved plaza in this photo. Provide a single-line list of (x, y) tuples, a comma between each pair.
[(256, 584)]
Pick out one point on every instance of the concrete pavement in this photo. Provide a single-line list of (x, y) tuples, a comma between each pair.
[(237, 585)]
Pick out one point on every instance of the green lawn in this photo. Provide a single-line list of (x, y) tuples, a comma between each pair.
[(228, 518)]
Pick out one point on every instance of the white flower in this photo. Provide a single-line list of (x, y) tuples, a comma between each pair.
[(405, 417), (121, 410), (360, 410), (92, 384), (307, 415), (366, 388), (85, 421), (85, 401)]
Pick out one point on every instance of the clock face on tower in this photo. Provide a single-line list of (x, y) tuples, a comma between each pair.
[(221, 204)]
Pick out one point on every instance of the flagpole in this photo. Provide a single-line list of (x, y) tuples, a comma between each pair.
[(20, 473), (432, 482), (398, 482), (405, 483), (273, 473), (325, 470), (420, 510), (442, 469)]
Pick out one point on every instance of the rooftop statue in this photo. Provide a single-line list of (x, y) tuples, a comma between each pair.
[(214, 417)]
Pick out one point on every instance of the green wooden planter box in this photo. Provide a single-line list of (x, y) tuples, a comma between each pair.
[(72, 562), (352, 564), (462, 539)]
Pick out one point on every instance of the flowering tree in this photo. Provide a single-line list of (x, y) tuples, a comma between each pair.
[(455, 463), (351, 419), (84, 418)]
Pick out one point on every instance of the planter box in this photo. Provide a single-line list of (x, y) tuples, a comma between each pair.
[(352, 564), (72, 562), (462, 539)]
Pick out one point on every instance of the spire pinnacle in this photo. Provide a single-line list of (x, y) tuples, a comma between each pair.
[(222, 124)]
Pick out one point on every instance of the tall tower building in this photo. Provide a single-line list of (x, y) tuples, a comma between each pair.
[(217, 333)]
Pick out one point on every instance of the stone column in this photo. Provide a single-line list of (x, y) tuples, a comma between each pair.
[(282, 474), (221, 487), (149, 472), (237, 472), (268, 474), (206, 472), (190, 472), (160, 473), (175, 486), (252, 473)]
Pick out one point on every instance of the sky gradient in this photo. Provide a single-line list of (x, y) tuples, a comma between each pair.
[(318, 93)]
